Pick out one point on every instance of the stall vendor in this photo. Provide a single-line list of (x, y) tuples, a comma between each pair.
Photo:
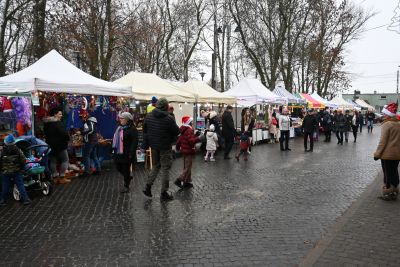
[(152, 105)]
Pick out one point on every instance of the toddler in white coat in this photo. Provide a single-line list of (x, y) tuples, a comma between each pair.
[(212, 140)]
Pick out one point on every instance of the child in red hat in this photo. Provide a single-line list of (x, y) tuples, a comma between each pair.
[(185, 144)]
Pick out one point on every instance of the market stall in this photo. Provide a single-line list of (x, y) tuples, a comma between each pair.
[(312, 102), (364, 105), (327, 103), (54, 82), (338, 100)]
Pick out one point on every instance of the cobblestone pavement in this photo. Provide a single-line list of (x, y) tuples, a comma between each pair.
[(269, 211), (367, 235)]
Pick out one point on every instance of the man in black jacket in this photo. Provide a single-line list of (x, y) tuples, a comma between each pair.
[(309, 126), (160, 131), (228, 130)]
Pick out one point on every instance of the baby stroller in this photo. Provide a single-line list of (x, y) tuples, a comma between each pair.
[(36, 152)]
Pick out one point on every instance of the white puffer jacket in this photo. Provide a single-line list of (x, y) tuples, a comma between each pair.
[(212, 140)]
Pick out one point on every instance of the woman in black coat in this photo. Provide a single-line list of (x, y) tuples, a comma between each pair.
[(125, 143)]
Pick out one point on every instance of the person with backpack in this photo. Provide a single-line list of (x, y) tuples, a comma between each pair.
[(12, 161), (90, 142)]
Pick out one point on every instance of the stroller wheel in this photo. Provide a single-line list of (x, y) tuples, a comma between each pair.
[(46, 188), (16, 194)]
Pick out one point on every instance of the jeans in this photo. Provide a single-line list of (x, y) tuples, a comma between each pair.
[(284, 138), (90, 153), (7, 182), (162, 163), (370, 124), (339, 136), (62, 157)]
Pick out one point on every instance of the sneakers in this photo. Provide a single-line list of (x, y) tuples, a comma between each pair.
[(62, 180), (212, 159), (187, 185), (205, 159), (165, 196), (147, 191), (178, 183), (389, 194)]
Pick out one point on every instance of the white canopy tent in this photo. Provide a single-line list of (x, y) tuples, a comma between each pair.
[(53, 73), (324, 101), (146, 85), (338, 100), (203, 93), (251, 91), (364, 104)]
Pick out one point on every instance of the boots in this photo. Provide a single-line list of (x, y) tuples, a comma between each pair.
[(165, 196), (390, 193), (62, 180), (147, 191)]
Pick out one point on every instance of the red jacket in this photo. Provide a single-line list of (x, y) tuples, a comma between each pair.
[(187, 140)]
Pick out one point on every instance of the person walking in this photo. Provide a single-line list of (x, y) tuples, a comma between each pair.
[(355, 123), (57, 138), (125, 142), (211, 145), (309, 126), (273, 130), (228, 130), (370, 121), (247, 124), (244, 145), (12, 161), (186, 142), (327, 124), (340, 124), (160, 131), (361, 120), (347, 127), (90, 142), (284, 127), (388, 151)]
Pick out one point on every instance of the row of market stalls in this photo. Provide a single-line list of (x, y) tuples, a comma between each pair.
[(53, 81)]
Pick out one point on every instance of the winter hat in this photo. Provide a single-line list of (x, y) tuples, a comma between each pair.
[(126, 115), (213, 114), (162, 104), (10, 140), (390, 110), (93, 119), (186, 120), (212, 128), (154, 100)]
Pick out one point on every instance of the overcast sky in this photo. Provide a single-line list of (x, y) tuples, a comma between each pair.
[(375, 57)]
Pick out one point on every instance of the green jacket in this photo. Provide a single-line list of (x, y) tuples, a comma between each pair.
[(12, 160)]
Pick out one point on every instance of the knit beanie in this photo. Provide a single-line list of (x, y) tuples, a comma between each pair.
[(126, 115), (162, 104), (9, 140), (212, 128)]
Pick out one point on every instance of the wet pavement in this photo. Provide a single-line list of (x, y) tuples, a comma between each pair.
[(269, 211)]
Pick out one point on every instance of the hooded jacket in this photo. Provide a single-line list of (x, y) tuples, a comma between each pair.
[(212, 140), (159, 130), (187, 140), (12, 159), (56, 135), (90, 132), (389, 143)]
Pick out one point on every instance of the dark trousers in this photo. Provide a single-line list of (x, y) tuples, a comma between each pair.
[(361, 128), (186, 175), (390, 172), (339, 136), (124, 168), (284, 138), (228, 145), (355, 130), (308, 135), (328, 135)]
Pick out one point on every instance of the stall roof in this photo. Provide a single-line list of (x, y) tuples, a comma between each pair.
[(312, 102), (326, 102), (280, 91), (8, 89), (342, 103), (364, 104), (252, 91), (53, 73), (146, 85), (206, 94)]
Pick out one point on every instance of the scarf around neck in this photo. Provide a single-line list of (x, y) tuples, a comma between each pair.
[(118, 140)]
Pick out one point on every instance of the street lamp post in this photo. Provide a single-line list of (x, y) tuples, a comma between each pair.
[(202, 75)]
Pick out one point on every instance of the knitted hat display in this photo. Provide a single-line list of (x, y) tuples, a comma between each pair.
[(10, 140), (186, 120), (390, 110)]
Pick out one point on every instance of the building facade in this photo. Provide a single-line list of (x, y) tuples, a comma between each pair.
[(376, 100)]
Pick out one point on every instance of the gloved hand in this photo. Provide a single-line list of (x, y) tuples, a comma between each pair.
[(375, 158)]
